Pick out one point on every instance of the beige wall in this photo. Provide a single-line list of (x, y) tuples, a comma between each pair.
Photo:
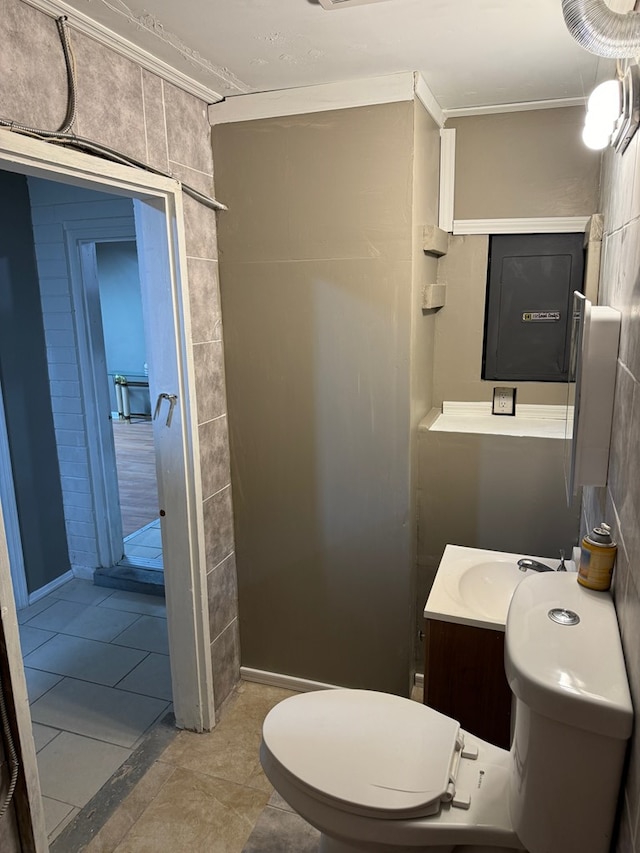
[(500, 492), (163, 126), (619, 502), (524, 164), (316, 262), (460, 331), (426, 180)]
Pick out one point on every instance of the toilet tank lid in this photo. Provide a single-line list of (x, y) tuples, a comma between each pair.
[(573, 673)]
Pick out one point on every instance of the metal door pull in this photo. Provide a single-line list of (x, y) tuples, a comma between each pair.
[(173, 399)]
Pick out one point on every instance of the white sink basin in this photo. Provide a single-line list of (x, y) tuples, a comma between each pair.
[(475, 586), (487, 587)]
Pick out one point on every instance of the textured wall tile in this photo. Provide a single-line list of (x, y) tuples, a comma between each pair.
[(188, 130), (225, 658), (621, 282), (610, 269), (630, 297), (204, 300), (222, 586), (631, 644), (629, 508), (200, 181), (593, 505), (115, 121), (621, 437), (218, 524), (624, 842), (209, 371), (625, 174), (214, 456), (33, 79), (201, 233), (154, 121), (620, 582)]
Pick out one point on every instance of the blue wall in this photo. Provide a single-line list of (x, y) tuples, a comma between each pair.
[(122, 322), (25, 387)]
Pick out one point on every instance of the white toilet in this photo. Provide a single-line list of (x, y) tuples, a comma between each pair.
[(377, 773)]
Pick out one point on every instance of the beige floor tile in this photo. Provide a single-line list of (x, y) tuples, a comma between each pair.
[(196, 813), (231, 750), (234, 759)]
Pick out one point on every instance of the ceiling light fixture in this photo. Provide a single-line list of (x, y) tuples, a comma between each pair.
[(613, 112)]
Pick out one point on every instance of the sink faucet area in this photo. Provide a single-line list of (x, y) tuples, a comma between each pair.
[(525, 564), (475, 586)]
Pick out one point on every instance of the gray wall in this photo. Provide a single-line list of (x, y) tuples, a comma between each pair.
[(317, 276), (25, 388), (619, 503), (159, 124)]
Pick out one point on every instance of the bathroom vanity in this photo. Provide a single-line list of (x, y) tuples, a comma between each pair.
[(464, 678), (465, 617)]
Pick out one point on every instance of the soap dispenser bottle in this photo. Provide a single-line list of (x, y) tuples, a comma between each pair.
[(597, 557)]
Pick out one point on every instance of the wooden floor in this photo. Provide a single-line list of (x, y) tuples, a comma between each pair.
[(136, 462)]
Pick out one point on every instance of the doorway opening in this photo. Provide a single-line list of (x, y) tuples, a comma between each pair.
[(113, 265), (73, 397)]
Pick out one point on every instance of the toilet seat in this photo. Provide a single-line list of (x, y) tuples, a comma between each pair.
[(368, 753)]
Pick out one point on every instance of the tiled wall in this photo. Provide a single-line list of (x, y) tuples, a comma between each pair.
[(619, 503), (157, 123)]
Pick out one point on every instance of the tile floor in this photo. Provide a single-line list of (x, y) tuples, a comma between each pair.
[(98, 677), (143, 547), (97, 669), (206, 793)]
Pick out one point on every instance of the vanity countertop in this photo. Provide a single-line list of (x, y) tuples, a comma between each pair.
[(474, 586)]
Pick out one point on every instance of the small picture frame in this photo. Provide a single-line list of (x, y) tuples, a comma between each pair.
[(504, 401)]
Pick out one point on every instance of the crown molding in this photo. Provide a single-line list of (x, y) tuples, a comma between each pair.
[(314, 99), (531, 225), (522, 106), (428, 99), (119, 44)]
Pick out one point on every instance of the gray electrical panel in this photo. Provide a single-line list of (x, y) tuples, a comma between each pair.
[(529, 296)]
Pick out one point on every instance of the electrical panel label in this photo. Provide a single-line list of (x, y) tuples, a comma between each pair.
[(540, 316)]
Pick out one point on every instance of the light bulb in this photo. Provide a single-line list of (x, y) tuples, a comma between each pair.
[(596, 137), (605, 100)]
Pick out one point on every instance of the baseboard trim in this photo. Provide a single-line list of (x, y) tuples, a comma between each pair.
[(288, 682), (50, 587)]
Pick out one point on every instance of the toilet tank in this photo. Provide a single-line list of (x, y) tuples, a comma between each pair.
[(573, 714)]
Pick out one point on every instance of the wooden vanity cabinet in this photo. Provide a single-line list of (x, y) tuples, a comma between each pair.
[(464, 678)]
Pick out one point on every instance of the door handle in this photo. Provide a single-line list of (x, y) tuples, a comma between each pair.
[(173, 399)]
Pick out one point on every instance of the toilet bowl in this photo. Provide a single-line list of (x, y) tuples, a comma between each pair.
[(377, 773)]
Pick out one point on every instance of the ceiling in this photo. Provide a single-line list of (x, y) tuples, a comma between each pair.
[(470, 52)]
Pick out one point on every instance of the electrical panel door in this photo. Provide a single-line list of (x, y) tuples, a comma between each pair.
[(529, 295)]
